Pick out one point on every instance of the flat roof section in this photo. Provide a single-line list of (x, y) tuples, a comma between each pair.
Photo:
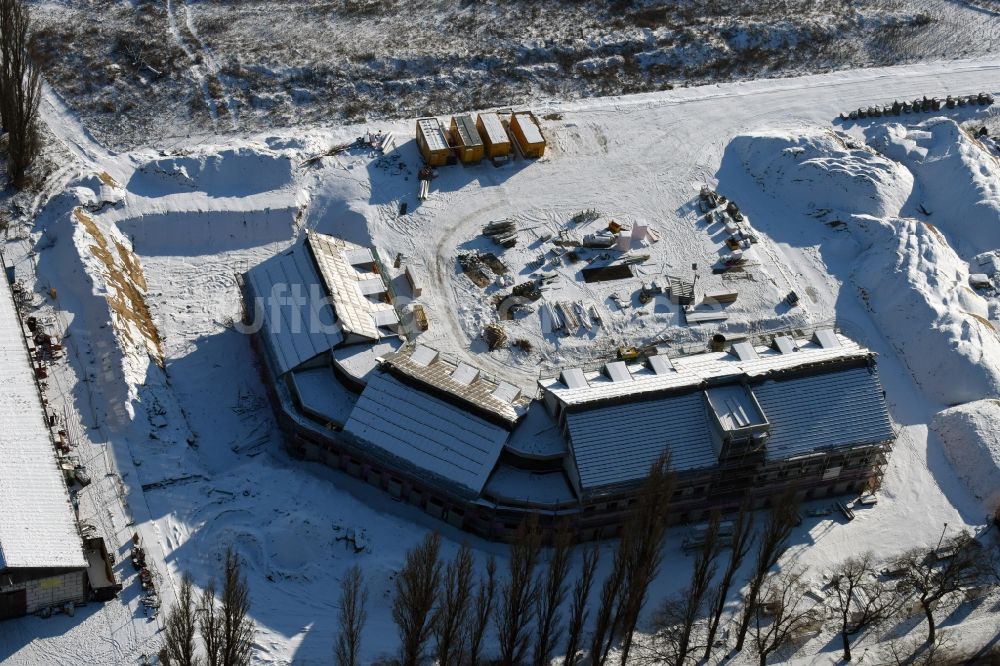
[(467, 131), (37, 526), (530, 130), (494, 128), (433, 134), (734, 406)]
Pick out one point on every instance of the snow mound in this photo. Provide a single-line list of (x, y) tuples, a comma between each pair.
[(820, 171), (916, 288), (233, 172), (971, 437), (958, 183)]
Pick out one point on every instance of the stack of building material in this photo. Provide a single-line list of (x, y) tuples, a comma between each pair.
[(503, 232)]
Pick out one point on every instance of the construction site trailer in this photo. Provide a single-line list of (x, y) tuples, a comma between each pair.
[(432, 142), (466, 138), (528, 135), (493, 134)]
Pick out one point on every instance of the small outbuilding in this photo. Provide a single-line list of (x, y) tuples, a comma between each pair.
[(465, 136), (432, 142), (494, 135), (528, 134)]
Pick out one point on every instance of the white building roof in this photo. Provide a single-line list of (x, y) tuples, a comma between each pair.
[(350, 286), (530, 130), (37, 527), (433, 133), (284, 288), (734, 407), (426, 433), (693, 370), (494, 128)]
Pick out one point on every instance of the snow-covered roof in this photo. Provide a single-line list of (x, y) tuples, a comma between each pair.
[(340, 265), (425, 432), (575, 387), (284, 289), (358, 361), (617, 444), (494, 128), (37, 528), (459, 383), (323, 395), (734, 407), (840, 408), (530, 130), (467, 131), (433, 133)]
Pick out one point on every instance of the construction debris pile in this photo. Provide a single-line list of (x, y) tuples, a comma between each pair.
[(923, 105), (741, 236)]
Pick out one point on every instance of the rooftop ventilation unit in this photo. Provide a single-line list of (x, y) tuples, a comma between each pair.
[(423, 356), (744, 351), (785, 344), (826, 338), (465, 374), (506, 392), (660, 364), (617, 372), (573, 378)]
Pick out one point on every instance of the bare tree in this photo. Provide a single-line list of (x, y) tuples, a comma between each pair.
[(701, 577), (742, 541), (352, 617), (958, 562), (860, 599), (606, 622), (482, 611), (237, 627), (181, 629), (636, 563), (647, 530), (20, 88), (552, 593), (674, 623), (578, 612), (210, 626), (416, 589), (780, 520), (518, 594), (453, 611), (780, 614)]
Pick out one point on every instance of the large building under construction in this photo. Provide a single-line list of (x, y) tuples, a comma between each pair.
[(803, 413)]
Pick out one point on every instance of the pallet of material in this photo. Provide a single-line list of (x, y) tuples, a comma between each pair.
[(605, 273), (722, 297), (704, 317)]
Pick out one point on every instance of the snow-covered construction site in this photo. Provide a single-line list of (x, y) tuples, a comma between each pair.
[(318, 345)]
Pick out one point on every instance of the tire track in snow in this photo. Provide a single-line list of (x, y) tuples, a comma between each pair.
[(209, 61), (201, 62)]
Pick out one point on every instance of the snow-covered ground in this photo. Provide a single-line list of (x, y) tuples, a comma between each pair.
[(142, 71), (857, 220)]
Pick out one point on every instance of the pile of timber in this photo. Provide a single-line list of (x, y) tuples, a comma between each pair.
[(503, 232)]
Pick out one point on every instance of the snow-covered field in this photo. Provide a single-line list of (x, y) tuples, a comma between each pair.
[(874, 225)]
